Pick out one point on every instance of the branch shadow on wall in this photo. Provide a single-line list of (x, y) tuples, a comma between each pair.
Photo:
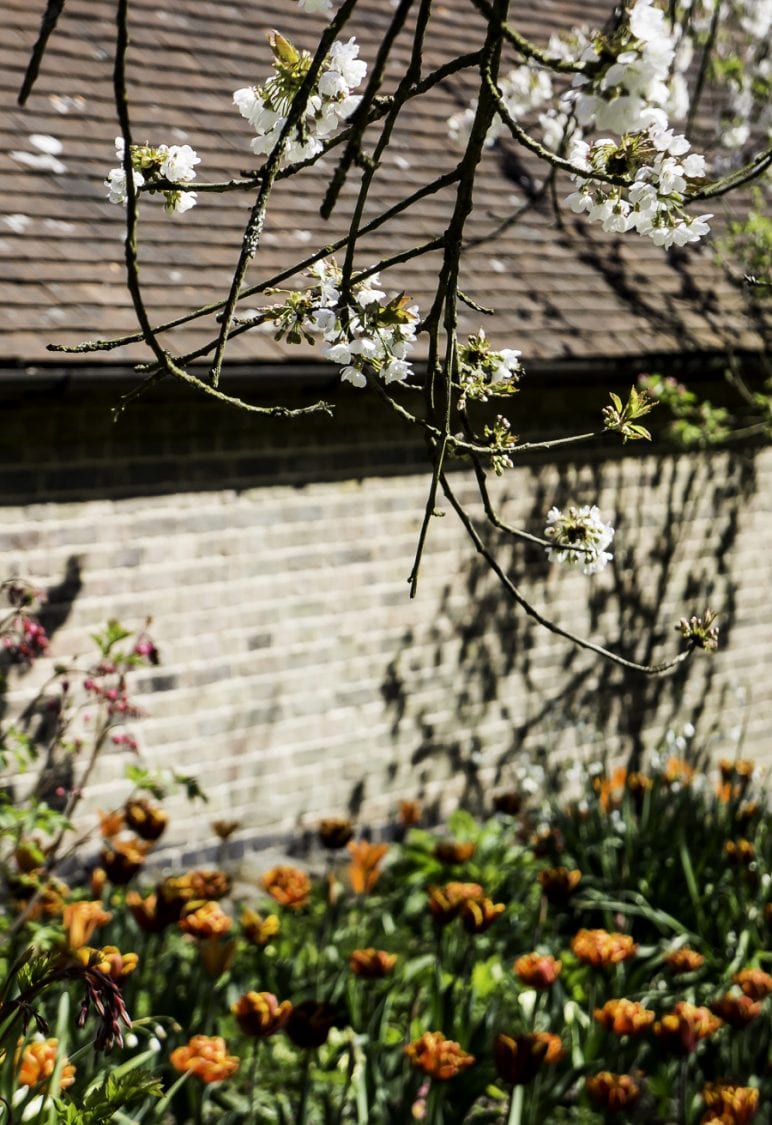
[(672, 558)]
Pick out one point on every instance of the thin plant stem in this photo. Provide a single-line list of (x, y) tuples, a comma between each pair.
[(516, 1102), (305, 1089), (253, 1081)]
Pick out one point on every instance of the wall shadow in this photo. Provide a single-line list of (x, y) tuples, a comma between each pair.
[(38, 720), (672, 558)]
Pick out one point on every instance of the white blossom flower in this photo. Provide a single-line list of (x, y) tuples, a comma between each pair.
[(178, 164), (395, 370), (484, 372), (164, 162), (736, 136), (331, 101), (653, 204), (579, 538), (635, 81), (460, 127), (338, 353), (506, 365), (344, 58), (370, 335), (368, 292), (756, 19), (354, 376), (618, 823), (178, 202), (555, 125), (116, 183)]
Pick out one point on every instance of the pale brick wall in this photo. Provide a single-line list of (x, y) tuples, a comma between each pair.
[(298, 679)]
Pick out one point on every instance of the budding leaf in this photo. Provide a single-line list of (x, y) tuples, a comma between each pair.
[(283, 50), (621, 418), (396, 311)]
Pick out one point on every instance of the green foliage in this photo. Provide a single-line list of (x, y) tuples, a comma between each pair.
[(112, 635), (747, 244), (17, 750), (109, 1094), (695, 424)]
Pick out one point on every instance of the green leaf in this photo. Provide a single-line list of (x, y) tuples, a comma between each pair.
[(193, 790)]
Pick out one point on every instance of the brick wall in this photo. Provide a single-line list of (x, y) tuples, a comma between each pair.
[(297, 678)]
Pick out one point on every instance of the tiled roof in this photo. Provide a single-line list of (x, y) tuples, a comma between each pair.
[(559, 293)]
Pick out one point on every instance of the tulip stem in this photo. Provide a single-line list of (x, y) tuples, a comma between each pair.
[(434, 1114), (253, 1082), (683, 1089), (516, 1100), (352, 1061), (304, 1089)]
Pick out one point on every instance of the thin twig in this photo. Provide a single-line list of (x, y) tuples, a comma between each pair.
[(735, 179), (441, 376), (522, 601), (445, 180), (360, 118), (47, 26)]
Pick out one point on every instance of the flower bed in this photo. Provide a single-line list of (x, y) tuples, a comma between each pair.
[(584, 960)]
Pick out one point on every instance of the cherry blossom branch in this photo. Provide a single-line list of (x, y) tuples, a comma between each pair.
[(130, 240), (702, 73), (531, 51), (371, 163), (48, 24), (441, 376), (529, 142), (735, 179), (446, 180), (256, 221)]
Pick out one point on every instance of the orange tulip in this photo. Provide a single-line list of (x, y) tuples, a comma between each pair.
[(754, 983), (257, 929), (538, 970), (519, 1058), (453, 851), (737, 1011), (682, 1029), (335, 832), (207, 1057), (438, 1057), (624, 1017), (290, 886), (81, 919), (364, 869), (729, 1104), (600, 947), (445, 902), (684, 960), (146, 819), (205, 920), (559, 883), (38, 1060), (612, 1092), (372, 964), (260, 1014)]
